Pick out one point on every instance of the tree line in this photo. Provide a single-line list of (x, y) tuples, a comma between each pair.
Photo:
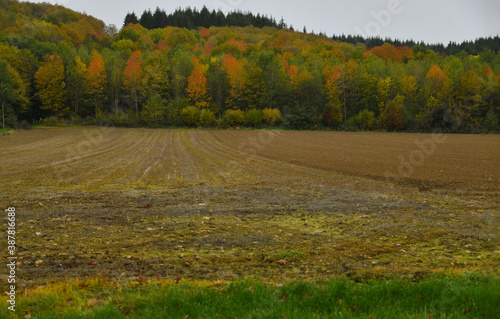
[(193, 19), (74, 71), (470, 47)]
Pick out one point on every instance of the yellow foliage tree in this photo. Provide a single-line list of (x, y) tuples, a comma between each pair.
[(49, 81)]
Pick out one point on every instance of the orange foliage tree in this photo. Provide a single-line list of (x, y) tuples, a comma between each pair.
[(96, 80), (395, 54), (132, 78), (235, 72), (290, 69), (204, 32), (197, 88), (437, 86)]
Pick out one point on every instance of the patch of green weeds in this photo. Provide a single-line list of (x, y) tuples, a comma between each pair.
[(290, 255)]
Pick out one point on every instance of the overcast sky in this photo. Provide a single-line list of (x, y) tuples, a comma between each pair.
[(429, 20)]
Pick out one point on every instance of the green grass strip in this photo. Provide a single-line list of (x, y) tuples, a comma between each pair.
[(463, 296)]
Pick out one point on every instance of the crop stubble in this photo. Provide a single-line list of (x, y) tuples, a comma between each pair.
[(222, 204)]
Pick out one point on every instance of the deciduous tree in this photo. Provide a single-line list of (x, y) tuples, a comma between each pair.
[(409, 91), (96, 80), (437, 86), (197, 89), (364, 119), (278, 85), (77, 82), (12, 90), (253, 86), (332, 114), (235, 73), (153, 112), (219, 84), (395, 115), (384, 91), (338, 85), (132, 79), (271, 116), (154, 80), (50, 84), (181, 67)]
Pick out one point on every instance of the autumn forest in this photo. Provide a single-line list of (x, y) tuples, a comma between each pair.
[(205, 69)]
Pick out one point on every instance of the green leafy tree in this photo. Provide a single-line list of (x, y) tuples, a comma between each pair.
[(181, 68), (218, 83), (253, 117), (277, 85), (364, 120), (153, 111), (190, 116), (77, 83), (154, 79), (365, 92), (12, 91), (234, 117), (207, 118), (115, 74)]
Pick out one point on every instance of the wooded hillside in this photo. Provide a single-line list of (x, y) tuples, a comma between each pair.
[(56, 64)]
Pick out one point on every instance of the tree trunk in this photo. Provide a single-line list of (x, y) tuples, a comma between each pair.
[(3, 118), (136, 105)]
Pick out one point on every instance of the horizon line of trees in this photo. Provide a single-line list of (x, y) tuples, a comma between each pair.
[(193, 19), (470, 47)]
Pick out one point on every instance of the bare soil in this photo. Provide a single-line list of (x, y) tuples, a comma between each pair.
[(197, 204), (457, 161)]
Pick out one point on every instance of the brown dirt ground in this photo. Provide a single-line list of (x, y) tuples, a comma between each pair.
[(468, 162), (216, 205)]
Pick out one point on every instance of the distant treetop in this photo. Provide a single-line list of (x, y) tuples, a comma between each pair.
[(192, 19)]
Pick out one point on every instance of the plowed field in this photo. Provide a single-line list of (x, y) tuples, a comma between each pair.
[(225, 204), (430, 160)]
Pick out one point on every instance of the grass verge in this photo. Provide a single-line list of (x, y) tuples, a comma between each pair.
[(462, 296)]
